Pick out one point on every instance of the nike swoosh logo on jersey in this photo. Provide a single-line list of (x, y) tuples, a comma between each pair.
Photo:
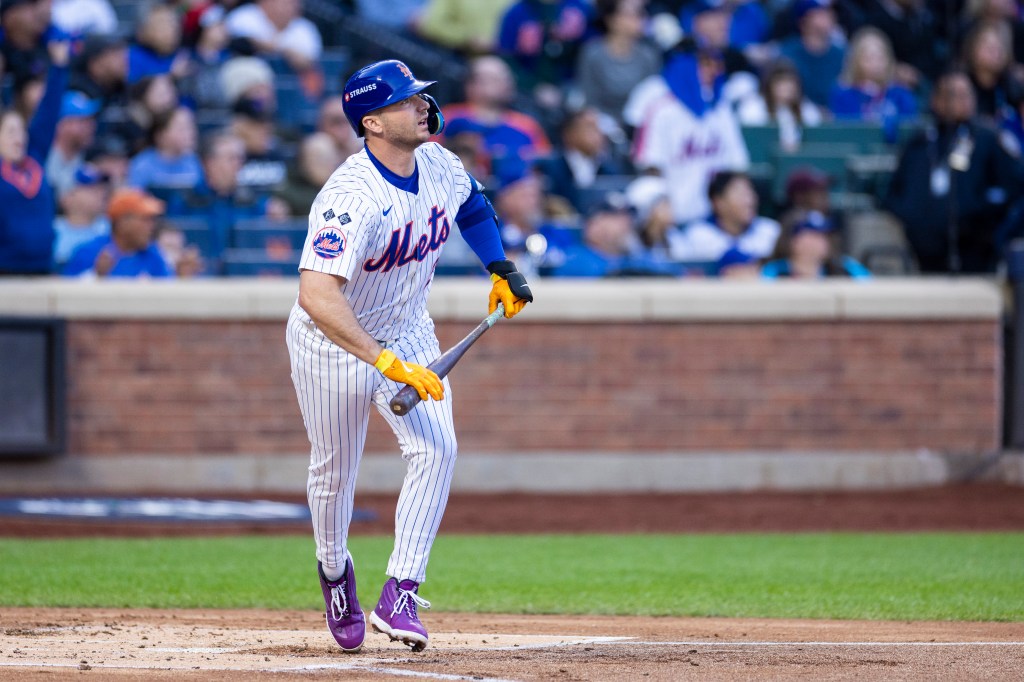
[(388, 210)]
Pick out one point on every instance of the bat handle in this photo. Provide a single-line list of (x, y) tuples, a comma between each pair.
[(408, 398), (404, 401)]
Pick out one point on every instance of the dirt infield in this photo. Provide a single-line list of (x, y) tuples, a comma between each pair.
[(39, 644), (241, 645)]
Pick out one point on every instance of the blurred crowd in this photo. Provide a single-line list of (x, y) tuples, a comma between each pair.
[(614, 137)]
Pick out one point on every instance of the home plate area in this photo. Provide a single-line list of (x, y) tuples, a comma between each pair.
[(237, 645)]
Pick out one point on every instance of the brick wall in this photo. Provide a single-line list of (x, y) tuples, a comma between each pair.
[(194, 387)]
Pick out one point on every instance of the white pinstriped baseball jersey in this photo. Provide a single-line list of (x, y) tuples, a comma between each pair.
[(385, 241)]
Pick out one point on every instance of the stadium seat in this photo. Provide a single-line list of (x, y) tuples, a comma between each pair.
[(863, 137), (196, 231), (761, 142), (294, 108), (831, 159), (603, 185), (336, 64), (270, 236), (255, 263)]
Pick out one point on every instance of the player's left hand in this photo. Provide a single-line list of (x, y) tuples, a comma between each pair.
[(509, 287)]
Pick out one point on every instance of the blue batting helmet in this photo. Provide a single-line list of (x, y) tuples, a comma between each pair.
[(380, 84)]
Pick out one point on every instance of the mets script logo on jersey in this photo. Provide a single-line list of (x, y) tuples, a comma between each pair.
[(400, 249), (359, 91), (693, 148), (329, 242)]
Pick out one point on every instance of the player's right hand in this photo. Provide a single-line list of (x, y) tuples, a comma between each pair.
[(419, 377)]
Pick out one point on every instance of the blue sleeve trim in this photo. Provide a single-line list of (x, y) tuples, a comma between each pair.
[(479, 227)]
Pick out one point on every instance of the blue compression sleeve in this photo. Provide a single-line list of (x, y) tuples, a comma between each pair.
[(478, 224)]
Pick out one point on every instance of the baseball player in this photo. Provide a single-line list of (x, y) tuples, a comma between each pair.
[(360, 331)]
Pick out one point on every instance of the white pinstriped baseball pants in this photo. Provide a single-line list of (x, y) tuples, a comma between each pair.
[(335, 391)]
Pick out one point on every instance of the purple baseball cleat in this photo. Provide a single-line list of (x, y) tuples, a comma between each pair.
[(345, 619), (395, 614)]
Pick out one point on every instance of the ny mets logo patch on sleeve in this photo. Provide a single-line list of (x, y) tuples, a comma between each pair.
[(329, 242)]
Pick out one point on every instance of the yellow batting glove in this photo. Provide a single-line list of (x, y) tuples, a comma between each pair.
[(509, 287), (419, 377)]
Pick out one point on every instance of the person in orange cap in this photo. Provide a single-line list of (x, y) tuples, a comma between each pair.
[(129, 250)]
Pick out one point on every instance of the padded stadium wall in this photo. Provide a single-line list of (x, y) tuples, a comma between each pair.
[(617, 385)]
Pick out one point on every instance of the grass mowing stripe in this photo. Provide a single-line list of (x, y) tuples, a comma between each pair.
[(934, 576)]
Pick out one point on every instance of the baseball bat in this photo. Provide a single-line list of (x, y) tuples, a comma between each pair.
[(407, 398)]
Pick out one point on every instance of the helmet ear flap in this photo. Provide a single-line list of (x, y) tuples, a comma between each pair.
[(435, 119)]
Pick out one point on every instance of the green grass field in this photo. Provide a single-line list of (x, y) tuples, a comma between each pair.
[(933, 576)]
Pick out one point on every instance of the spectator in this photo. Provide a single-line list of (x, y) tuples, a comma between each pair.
[(611, 64), (331, 120), (807, 189), (24, 33), (76, 131), (707, 24), (26, 221), (170, 162), (736, 264), (207, 52), (532, 240), (649, 197), (219, 199), (743, 23), (265, 166), (512, 140), (542, 38), (82, 17), (913, 32), (867, 90), (129, 250), (250, 79), (277, 28), (988, 56), (398, 16), (815, 51), (610, 246), (953, 184), (469, 27), (688, 132), (1006, 12), (181, 257), (750, 24), (583, 156), (810, 251), (317, 159), (469, 147), (150, 98), (109, 154), (781, 102), (733, 222), (157, 44), (102, 72), (26, 96), (83, 213)]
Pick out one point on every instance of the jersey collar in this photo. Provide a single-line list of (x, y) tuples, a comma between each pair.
[(409, 184)]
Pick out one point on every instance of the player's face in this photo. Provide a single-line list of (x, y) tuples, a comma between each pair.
[(405, 123)]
